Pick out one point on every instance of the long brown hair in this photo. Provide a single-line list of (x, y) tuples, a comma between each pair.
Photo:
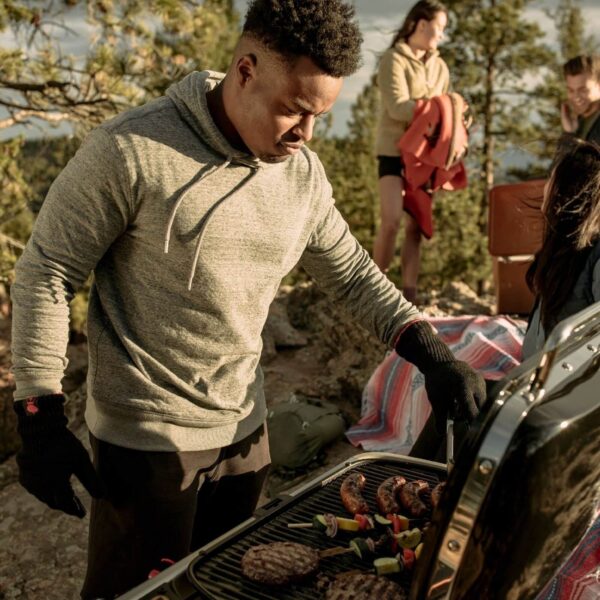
[(572, 214), (424, 9)]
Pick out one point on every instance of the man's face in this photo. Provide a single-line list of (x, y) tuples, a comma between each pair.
[(278, 105), (583, 92)]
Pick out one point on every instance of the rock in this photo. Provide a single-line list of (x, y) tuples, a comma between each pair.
[(42, 552), (278, 332)]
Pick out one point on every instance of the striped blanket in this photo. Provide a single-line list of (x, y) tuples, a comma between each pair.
[(394, 404), (579, 578)]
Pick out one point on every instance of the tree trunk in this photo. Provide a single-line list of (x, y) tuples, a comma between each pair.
[(487, 158)]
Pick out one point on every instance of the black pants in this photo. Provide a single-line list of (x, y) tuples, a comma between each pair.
[(165, 505)]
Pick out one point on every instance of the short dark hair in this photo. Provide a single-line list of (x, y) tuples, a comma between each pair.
[(424, 9), (323, 30), (586, 64)]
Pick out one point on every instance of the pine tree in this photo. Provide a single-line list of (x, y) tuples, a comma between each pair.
[(570, 26), (134, 51), (493, 53), (351, 166), (130, 51)]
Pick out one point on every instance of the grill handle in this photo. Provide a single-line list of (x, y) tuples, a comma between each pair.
[(580, 324), (449, 444)]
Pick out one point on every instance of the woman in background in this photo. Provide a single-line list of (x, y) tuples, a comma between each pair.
[(411, 69), (565, 275)]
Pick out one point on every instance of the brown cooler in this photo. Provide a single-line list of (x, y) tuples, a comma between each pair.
[(515, 231)]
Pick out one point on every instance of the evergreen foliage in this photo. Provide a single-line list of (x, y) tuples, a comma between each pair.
[(351, 166), (135, 49), (494, 53), (138, 47), (13, 202)]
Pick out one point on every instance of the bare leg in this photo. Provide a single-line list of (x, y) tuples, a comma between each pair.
[(411, 258), (390, 193)]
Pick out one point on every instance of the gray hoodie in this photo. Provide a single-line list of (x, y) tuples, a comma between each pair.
[(188, 240)]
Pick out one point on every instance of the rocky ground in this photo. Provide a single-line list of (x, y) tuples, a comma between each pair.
[(311, 348)]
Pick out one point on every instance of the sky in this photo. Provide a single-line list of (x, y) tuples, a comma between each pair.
[(378, 20)]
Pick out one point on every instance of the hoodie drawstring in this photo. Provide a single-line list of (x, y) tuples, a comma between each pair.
[(222, 166), (205, 219)]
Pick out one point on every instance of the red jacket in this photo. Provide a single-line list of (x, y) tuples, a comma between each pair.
[(432, 149)]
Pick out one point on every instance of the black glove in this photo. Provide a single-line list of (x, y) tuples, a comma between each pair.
[(50, 454), (454, 389)]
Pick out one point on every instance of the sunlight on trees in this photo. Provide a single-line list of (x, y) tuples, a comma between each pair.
[(499, 60)]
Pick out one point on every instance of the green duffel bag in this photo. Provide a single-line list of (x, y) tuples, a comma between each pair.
[(300, 428)]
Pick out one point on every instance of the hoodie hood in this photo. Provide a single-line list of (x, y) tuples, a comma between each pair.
[(189, 96), (404, 49)]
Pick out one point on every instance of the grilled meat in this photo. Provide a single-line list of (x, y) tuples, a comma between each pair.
[(279, 563), (351, 493), (436, 493), (410, 498), (363, 586), (387, 493)]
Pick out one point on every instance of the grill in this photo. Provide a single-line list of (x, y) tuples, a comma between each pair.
[(217, 574), (537, 437)]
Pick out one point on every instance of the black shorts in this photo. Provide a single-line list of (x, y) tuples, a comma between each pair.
[(390, 165)]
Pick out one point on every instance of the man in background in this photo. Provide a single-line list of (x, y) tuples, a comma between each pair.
[(580, 115)]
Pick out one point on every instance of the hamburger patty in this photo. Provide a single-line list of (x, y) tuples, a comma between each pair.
[(279, 563), (364, 586)]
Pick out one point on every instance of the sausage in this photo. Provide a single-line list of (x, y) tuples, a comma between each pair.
[(351, 493), (387, 493), (410, 498), (436, 493)]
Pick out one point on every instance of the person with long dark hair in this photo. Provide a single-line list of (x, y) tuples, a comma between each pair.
[(565, 275), (411, 69)]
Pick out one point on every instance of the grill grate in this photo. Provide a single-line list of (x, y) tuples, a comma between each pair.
[(218, 573)]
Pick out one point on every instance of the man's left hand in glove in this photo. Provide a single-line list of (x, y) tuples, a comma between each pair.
[(454, 389)]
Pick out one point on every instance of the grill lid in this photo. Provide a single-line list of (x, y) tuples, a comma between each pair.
[(515, 513)]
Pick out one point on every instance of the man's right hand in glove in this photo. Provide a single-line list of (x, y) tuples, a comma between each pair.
[(50, 454)]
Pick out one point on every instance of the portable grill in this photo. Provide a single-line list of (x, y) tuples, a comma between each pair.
[(215, 571), (523, 492)]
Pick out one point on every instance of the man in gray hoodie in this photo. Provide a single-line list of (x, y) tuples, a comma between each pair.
[(190, 210)]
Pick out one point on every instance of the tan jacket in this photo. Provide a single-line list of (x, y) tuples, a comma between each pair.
[(402, 79)]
